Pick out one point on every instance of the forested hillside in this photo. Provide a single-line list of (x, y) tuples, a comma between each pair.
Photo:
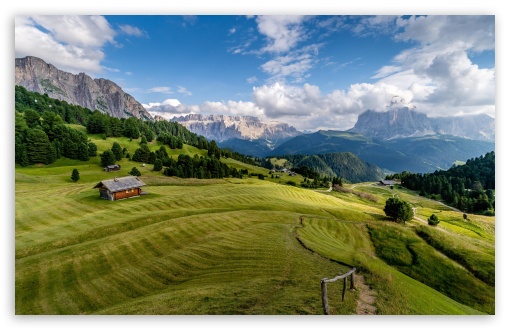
[(344, 165), (470, 187), (42, 135)]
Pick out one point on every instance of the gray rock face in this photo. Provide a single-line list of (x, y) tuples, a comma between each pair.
[(222, 128), (404, 122), (95, 94)]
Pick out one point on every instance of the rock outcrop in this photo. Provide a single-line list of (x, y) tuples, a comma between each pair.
[(95, 94)]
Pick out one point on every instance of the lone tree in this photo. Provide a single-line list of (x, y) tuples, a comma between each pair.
[(107, 158), (398, 210), (75, 176), (134, 171), (433, 220)]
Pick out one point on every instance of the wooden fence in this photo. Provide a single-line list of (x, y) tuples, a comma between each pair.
[(324, 287)]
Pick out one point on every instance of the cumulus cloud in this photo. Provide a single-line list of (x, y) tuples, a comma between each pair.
[(307, 108), (460, 82), (168, 108), (71, 43), (438, 71)]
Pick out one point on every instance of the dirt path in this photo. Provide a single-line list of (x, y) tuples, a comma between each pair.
[(366, 298)]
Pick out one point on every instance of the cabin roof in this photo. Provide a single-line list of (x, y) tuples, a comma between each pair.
[(388, 182), (119, 184)]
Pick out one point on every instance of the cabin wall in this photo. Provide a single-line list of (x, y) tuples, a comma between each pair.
[(127, 193), (105, 194)]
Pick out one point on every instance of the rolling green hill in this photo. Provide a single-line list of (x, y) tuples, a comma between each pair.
[(228, 246)]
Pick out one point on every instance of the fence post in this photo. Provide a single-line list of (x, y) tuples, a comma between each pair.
[(343, 290), (352, 281), (324, 289)]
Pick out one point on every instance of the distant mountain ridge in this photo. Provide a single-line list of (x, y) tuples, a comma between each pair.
[(404, 122), (95, 94), (414, 154), (223, 128)]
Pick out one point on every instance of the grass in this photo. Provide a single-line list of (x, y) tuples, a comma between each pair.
[(230, 246)]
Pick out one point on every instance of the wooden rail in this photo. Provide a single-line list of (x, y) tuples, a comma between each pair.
[(324, 287)]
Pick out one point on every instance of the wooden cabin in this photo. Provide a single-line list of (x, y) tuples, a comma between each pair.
[(112, 168), (120, 188), (387, 183)]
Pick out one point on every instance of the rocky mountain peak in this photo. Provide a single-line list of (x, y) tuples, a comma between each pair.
[(95, 94), (404, 122), (223, 127)]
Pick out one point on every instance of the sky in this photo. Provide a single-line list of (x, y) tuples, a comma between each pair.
[(310, 71)]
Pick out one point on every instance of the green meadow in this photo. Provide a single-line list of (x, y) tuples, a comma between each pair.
[(236, 246)]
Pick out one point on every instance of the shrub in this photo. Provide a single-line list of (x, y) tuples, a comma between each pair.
[(75, 176), (134, 171), (433, 220)]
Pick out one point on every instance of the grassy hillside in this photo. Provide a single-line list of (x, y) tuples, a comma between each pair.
[(229, 246)]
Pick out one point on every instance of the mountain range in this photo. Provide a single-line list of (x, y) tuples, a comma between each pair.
[(233, 131), (396, 140), (80, 89), (414, 154), (403, 122)]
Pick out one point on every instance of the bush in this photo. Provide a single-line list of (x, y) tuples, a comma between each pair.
[(291, 183), (75, 176), (433, 220), (134, 171)]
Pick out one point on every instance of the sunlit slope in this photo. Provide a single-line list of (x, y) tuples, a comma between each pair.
[(223, 246)]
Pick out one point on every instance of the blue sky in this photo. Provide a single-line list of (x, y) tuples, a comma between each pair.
[(313, 72)]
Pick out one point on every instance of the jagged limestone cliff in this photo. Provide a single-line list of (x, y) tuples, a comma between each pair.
[(223, 128), (96, 94)]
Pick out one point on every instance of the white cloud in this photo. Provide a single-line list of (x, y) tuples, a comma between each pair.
[(160, 89), (307, 108), (304, 107), (132, 30), (111, 69), (71, 43), (168, 108), (289, 65), (283, 32), (232, 108), (466, 32), (437, 71), (184, 91), (460, 82), (386, 71), (371, 25), (172, 107)]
